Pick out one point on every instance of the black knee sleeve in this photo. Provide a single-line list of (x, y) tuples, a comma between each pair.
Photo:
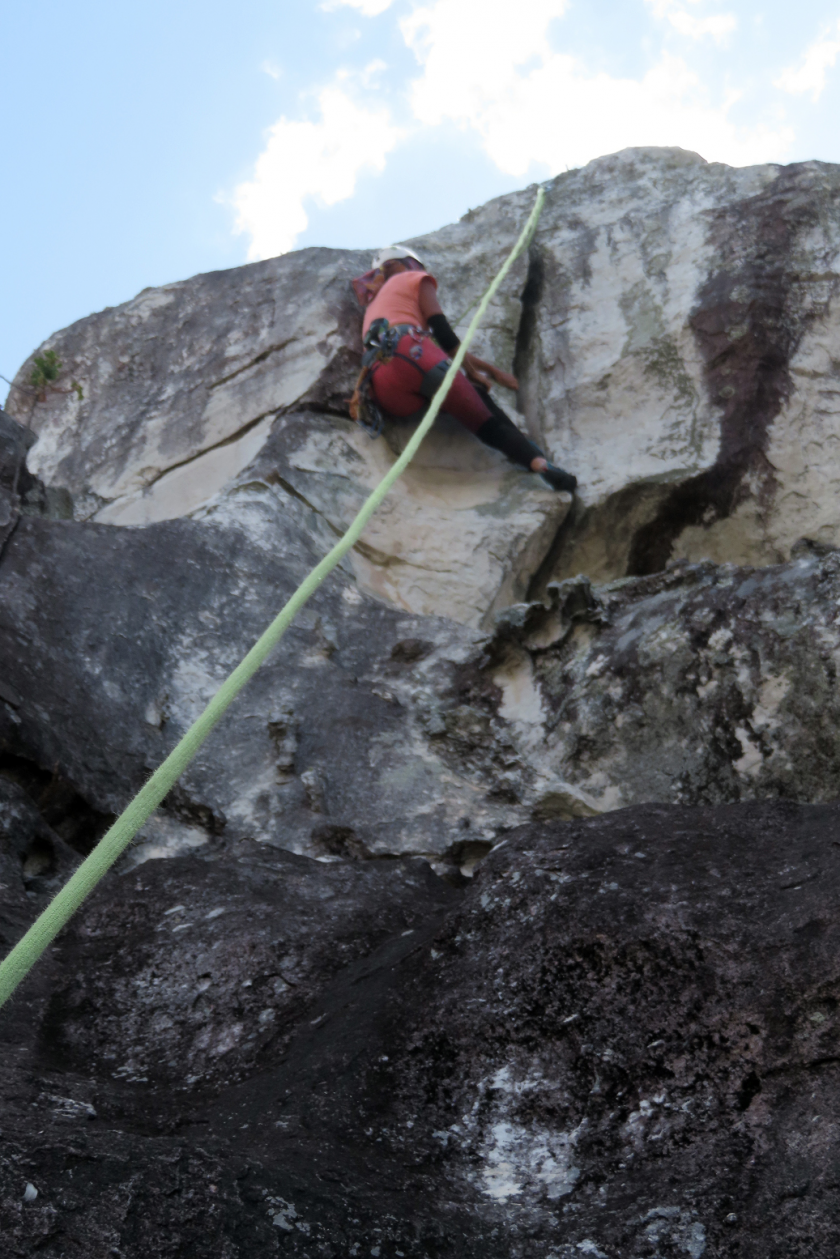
[(502, 434)]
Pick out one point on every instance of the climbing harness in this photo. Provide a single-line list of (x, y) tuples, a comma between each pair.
[(17, 964), (380, 346)]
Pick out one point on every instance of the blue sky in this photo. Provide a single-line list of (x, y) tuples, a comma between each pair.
[(142, 144)]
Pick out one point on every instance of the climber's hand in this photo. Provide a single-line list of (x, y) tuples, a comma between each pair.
[(486, 374), (502, 378), (477, 372)]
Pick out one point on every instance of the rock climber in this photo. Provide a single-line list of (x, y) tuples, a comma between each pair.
[(408, 341)]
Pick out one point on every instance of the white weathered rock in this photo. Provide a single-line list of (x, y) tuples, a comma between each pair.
[(185, 370), (676, 342), (184, 386), (677, 345), (463, 530)]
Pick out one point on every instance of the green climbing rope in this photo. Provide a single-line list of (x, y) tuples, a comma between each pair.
[(43, 931)]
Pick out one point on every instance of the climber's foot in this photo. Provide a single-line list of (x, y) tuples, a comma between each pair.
[(558, 479)]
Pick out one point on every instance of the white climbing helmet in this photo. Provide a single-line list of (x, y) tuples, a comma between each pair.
[(392, 253)]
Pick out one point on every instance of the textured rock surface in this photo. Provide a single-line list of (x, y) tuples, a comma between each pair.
[(674, 329), (116, 638), (183, 390), (190, 368), (14, 441), (622, 1041), (619, 1039), (701, 684), (374, 731), (683, 347), (462, 533)]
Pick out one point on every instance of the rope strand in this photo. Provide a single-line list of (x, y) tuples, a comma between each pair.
[(43, 931)]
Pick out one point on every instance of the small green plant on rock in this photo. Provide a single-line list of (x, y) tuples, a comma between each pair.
[(46, 369), (46, 372)]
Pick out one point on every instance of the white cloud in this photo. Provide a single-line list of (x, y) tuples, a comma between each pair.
[(271, 69), (467, 57), (531, 104), (809, 74), (368, 78), (718, 25), (305, 159), (367, 8)]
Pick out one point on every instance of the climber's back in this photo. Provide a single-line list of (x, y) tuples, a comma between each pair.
[(398, 301)]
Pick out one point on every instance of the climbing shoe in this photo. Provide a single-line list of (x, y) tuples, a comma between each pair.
[(559, 480)]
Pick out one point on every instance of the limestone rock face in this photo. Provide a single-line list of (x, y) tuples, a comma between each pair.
[(607, 1030), (196, 388), (621, 1040), (372, 731), (185, 371), (682, 355), (677, 348), (113, 640), (462, 534), (675, 334), (116, 638)]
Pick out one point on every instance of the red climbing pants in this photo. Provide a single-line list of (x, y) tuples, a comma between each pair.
[(395, 385)]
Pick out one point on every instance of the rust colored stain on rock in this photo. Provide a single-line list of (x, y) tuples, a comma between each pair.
[(750, 318)]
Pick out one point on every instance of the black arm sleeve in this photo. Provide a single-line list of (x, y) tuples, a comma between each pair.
[(443, 334), (501, 433)]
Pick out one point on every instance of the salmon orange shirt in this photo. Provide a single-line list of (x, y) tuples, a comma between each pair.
[(398, 300)]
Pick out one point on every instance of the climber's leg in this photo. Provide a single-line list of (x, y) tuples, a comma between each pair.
[(396, 386), (500, 432)]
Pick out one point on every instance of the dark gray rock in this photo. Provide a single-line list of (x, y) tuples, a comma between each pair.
[(373, 732), (701, 684), (115, 638), (214, 966), (621, 1041), (15, 440), (31, 849)]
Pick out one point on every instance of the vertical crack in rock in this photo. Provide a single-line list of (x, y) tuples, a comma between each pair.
[(330, 393), (526, 334), (750, 318), (526, 349), (547, 568)]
